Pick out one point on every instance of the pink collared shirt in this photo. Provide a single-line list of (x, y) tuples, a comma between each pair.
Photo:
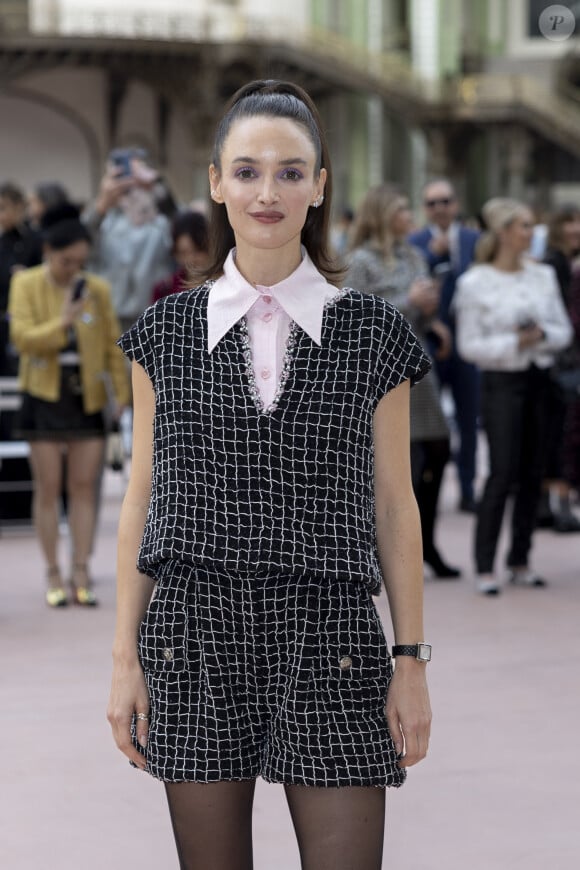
[(269, 312)]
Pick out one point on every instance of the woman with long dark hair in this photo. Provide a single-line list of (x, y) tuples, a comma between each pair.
[(270, 495), (189, 233)]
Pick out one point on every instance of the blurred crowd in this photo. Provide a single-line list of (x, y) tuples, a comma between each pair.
[(495, 301), (72, 280)]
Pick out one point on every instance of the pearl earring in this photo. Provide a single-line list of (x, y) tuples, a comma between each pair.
[(318, 201)]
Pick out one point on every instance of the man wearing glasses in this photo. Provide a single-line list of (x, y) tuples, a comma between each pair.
[(449, 249)]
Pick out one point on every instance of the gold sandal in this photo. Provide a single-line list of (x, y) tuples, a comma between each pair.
[(55, 594), (83, 594)]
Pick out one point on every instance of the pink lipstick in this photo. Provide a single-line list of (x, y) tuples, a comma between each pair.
[(267, 217)]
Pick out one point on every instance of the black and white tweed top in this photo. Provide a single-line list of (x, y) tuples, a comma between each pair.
[(276, 490)]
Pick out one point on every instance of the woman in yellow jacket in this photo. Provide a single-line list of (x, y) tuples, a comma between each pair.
[(63, 325)]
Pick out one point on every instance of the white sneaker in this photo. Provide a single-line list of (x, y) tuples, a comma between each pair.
[(486, 584), (525, 577)]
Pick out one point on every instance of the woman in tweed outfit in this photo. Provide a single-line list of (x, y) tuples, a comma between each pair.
[(384, 263), (263, 510)]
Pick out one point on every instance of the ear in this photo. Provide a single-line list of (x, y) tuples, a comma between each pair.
[(215, 184), (320, 183)]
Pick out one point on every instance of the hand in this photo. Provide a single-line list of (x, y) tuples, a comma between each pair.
[(424, 295), (443, 333), (529, 335), (129, 696), (143, 174), (71, 309), (117, 411), (408, 711), (439, 244), (112, 189)]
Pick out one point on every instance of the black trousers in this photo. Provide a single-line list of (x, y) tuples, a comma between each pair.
[(428, 461), (515, 420)]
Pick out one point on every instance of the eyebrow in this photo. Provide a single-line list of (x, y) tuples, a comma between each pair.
[(291, 162)]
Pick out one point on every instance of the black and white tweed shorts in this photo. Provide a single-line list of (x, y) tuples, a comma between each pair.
[(281, 677)]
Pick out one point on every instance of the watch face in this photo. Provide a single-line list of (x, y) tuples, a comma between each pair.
[(424, 652)]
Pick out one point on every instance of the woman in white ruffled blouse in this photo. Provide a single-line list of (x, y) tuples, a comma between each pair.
[(510, 322)]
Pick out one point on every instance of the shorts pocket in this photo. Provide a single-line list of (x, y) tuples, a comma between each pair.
[(164, 641), (355, 695), (346, 668)]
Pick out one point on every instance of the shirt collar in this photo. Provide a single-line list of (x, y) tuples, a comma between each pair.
[(302, 295), (436, 230)]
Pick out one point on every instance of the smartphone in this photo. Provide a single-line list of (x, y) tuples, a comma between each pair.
[(441, 270), (79, 288), (121, 158)]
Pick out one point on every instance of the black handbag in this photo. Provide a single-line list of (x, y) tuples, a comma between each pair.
[(568, 383)]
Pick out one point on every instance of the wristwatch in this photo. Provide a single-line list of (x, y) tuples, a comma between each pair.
[(419, 651)]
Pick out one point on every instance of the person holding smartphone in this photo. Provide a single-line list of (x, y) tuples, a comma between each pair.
[(132, 237), (511, 322), (63, 325)]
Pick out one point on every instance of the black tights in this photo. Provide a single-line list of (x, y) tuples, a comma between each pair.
[(336, 828)]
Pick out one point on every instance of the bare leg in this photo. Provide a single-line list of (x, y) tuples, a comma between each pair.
[(338, 828), (212, 824), (46, 464), (85, 458)]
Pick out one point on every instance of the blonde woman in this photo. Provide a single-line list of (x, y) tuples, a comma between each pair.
[(382, 262), (510, 322)]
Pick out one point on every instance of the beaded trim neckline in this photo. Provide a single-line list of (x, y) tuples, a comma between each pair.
[(287, 362), (253, 386)]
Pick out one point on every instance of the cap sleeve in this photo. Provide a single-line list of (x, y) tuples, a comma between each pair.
[(138, 343), (401, 357)]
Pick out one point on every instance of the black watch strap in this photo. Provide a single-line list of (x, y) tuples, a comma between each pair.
[(419, 651)]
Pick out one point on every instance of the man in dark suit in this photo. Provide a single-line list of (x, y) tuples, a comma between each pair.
[(449, 249)]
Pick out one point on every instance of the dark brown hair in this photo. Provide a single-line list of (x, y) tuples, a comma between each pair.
[(12, 193), (564, 214), (275, 99), (192, 224), (61, 226)]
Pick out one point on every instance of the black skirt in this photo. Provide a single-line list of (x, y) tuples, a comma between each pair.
[(63, 420)]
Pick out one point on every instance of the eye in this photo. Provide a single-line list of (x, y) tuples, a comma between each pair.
[(246, 173), (291, 174)]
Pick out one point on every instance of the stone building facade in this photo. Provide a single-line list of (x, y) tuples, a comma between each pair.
[(407, 89)]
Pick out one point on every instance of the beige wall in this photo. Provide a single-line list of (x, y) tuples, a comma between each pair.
[(55, 129), (39, 144)]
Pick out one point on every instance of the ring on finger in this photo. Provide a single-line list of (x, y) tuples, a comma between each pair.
[(143, 716)]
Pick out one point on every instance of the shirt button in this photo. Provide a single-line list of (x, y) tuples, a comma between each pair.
[(267, 299), (345, 663), (168, 654), (267, 317), (265, 373)]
